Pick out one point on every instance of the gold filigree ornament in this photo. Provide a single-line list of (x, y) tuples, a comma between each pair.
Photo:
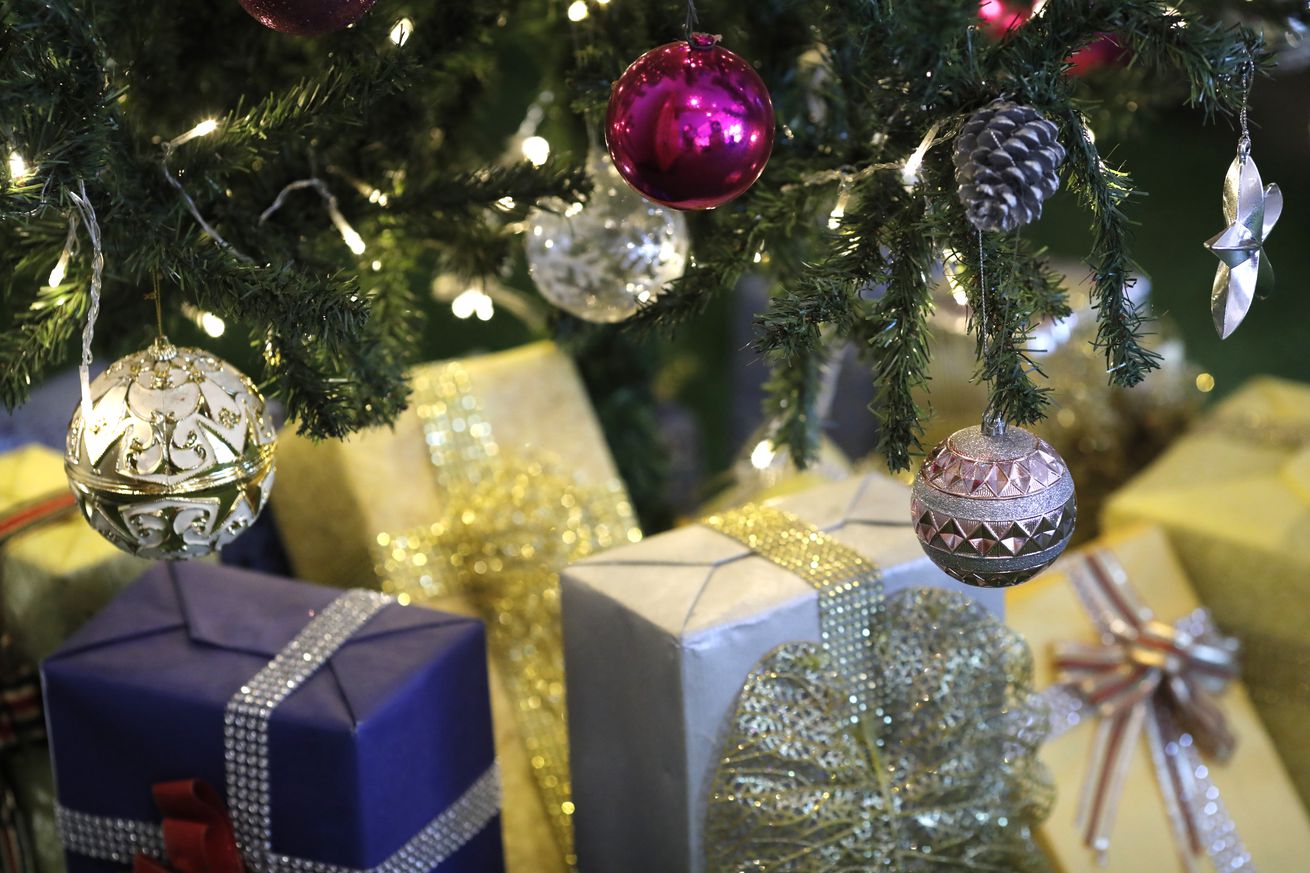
[(511, 522), (175, 459), (940, 774)]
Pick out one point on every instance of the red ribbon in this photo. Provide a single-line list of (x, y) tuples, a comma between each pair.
[(198, 835), (34, 513), (1145, 676)]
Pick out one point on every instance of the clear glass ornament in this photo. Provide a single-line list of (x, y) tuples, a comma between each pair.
[(601, 260)]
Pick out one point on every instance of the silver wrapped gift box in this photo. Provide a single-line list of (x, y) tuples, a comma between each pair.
[(658, 638)]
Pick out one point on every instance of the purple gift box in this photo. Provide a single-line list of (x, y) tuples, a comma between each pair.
[(346, 732)]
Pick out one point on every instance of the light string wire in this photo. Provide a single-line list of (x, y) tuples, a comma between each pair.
[(203, 129), (348, 233), (87, 213), (908, 168)]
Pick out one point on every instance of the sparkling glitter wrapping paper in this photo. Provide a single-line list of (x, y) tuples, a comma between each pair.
[(938, 772), (1254, 786), (1233, 495), (496, 477), (660, 636), (57, 576)]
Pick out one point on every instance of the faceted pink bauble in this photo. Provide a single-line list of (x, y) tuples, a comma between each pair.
[(306, 17), (993, 506), (690, 124)]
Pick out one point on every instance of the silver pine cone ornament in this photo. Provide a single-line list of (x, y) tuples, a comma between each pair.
[(1007, 161)]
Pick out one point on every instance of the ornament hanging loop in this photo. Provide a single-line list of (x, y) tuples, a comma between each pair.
[(993, 425), (692, 22), (159, 308), (1244, 141)]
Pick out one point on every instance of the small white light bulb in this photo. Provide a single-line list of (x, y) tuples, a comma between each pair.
[(401, 31), (536, 150)]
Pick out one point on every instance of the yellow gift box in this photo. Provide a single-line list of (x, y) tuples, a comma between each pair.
[(1254, 786), (57, 575), (353, 510), (1234, 497)]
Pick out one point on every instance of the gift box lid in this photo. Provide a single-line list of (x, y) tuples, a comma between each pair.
[(389, 733), (708, 580)]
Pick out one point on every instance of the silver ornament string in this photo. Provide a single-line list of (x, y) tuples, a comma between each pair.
[(1244, 141), (992, 423), (349, 235), (88, 215), (203, 129), (693, 19)]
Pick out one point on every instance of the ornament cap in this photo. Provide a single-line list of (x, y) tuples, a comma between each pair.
[(704, 40), (161, 349)]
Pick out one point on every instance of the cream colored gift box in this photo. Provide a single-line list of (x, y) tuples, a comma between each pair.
[(334, 498), (659, 637), (58, 575), (1254, 786), (1234, 497)]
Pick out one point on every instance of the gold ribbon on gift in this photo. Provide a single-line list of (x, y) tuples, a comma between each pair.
[(512, 522), (1147, 676), (905, 741)]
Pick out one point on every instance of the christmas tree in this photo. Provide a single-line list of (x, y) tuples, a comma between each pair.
[(303, 192)]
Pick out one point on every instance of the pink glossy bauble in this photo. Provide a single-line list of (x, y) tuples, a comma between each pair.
[(306, 17), (690, 124)]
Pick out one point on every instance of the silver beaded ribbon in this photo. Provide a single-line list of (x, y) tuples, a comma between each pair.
[(1148, 678), (245, 730)]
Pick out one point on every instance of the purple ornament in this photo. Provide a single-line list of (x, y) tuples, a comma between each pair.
[(306, 17), (690, 124)]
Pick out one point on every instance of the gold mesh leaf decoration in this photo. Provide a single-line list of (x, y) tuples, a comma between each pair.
[(940, 775)]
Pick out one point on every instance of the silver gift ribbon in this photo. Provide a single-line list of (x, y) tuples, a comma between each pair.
[(245, 729)]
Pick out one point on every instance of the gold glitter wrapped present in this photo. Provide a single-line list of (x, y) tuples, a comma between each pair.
[(659, 637), (1245, 809), (494, 479), (57, 575), (1234, 497)]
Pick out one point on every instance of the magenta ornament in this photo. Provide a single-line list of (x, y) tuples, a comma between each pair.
[(690, 124), (306, 17)]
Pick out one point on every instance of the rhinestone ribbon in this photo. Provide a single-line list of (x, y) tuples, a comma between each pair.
[(245, 740), (1148, 677), (511, 522), (849, 587)]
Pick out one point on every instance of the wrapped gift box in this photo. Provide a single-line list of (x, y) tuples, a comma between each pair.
[(345, 508), (382, 748), (659, 637), (334, 497), (56, 576), (1253, 784), (1234, 497)]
